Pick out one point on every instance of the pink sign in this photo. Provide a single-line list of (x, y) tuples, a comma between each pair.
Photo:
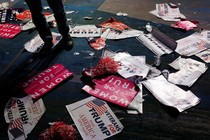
[(9, 30), (113, 89), (46, 80)]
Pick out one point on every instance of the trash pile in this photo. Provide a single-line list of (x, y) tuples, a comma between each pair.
[(118, 78)]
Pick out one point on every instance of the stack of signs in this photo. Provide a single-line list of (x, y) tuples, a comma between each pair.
[(170, 94), (94, 119), (22, 115), (45, 81), (35, 44), (9, 30)]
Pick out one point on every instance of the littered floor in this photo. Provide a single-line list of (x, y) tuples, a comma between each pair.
[(156, 122)]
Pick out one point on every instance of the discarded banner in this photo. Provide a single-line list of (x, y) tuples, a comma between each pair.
[(22, 115), (9, 30), (113, 89), (46, 80), (94, 119)]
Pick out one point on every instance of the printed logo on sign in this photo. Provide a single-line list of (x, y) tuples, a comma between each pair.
[(98, 105)]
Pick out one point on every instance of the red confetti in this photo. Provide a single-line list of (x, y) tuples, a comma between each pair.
[(59, 131), (105, 66)]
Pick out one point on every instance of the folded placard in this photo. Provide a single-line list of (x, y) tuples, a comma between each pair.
[(158, 42)]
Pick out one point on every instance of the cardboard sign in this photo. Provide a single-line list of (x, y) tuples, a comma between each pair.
[(46, 80), (94, 119), (113, 89), (22, 114), (9, 30)]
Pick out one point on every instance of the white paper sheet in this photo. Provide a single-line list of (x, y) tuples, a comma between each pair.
[(189, 71), (170, 94)]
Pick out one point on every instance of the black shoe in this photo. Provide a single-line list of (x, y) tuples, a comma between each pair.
[(66, 42), (46, 49)]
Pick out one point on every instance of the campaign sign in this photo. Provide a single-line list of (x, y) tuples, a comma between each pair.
[(113, 89), (46, 80), (94, 119), (22, 114), (9, 30)]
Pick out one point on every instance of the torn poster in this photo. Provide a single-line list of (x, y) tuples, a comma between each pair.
[(35, 44), (168, 12), (97, 43), (8, 15), (114, 29), (45, 81), (170, 94), (185, 24), (158, 42), (204, 55), (114, 89), (8, 30), (85, 31), (94, 119), (189, 71), (22, 114), (192, 44)]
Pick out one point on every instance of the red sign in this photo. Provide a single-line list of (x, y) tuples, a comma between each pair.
[(27, 14), (98, 44), (114, 24), (46, 80), (114, 89), (9, 30)]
